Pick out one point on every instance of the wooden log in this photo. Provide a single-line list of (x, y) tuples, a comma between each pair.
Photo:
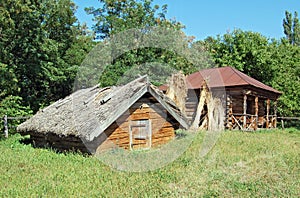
[(140, 116), (261, 107), (204, 123), (256, 112), (163, 138), (157, 128), (245, 112), (156, 115), (275, 113), (60, 143), (289, 118), (141, 109), (163, 134), (267, 116), (203, 97), (115, 136), (165, 130)]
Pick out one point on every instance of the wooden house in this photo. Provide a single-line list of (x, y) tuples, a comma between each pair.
[(134, 116), (248, 103)]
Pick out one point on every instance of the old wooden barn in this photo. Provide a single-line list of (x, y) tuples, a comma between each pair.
[(134, 116), (248, 103)]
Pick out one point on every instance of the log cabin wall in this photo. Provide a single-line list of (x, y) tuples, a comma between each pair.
[(191, 103), (237, 104), (163, 125), (56, 142), (237, 101)]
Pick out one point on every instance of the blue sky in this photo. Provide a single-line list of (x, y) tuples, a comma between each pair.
[(210, 18)]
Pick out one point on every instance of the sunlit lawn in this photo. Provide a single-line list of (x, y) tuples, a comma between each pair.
[(265, 163)]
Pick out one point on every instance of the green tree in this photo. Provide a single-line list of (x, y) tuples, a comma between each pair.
[(116, 16), (291, 26), (245, 50), (286, 64), (37, 40)]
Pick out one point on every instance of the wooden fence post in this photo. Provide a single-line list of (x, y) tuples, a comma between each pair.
[(5, 126)]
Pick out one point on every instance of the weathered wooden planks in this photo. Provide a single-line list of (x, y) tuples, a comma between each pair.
[(59, 143), (162, 124)]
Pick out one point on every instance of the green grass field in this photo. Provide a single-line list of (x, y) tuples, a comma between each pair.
[(260, 164)]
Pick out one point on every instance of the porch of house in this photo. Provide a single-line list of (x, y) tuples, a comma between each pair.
[(250, 111)]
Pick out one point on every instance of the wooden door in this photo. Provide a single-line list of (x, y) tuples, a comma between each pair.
[(140, 134)]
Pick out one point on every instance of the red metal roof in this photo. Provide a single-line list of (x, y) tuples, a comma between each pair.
[(224, 77)]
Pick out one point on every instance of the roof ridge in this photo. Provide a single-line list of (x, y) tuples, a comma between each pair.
[(258, 84), (239, 73)]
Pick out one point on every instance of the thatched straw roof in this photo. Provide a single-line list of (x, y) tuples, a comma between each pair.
[(88, 112)]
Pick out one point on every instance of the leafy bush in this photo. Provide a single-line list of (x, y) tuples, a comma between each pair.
[(12, 107)]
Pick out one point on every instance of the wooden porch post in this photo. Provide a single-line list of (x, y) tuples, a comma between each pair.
[(256, 112), (245, 111), (275, 114), (268, 110)]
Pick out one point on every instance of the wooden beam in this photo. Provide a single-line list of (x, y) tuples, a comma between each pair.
[(268, 111), (180, 118), (245, 112), (256, 112), (275, 114), (200, 107), (237, 122), (289, 118)]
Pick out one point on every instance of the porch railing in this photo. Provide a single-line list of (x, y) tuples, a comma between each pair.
[(249, 122), (245, 122)]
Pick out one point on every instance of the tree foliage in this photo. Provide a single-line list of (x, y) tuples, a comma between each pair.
[(245, 50), (13, 106), (37, 39), (286, 65), (115, 16), (291, 26)]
